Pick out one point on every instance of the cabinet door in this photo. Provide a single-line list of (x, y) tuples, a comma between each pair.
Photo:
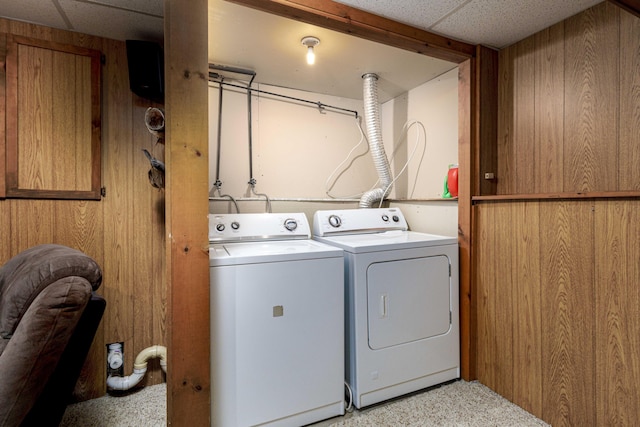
[(52, 120)]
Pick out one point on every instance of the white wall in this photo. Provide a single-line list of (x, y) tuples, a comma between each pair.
[(296, 148), (435, 105)]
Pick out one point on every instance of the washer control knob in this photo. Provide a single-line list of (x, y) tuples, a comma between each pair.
[(385, 218), (290, 224), (235, 225), (396, 218), (220, 227), (335, 221)]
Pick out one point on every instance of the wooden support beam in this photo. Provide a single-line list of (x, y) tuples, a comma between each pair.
[(186, 156), (345, 19), (466, 132)]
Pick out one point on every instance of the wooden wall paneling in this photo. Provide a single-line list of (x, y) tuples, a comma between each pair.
[(467, 173), (631, 6), (3, 56), (84, 142), (524, 149), (142, 214), (78, 224), (505, 152), (527, 331), (63, 116), (5, 232), (486, 111), (186, 154), (484, 238), (32, 223), (119, 233), (495, 311), (29, 30), (104, 229), (92, 381), (568, 325), (159, 278), (503, 350), (158, 265), (32, 101), (591, 100), (617, 251), (629, 157), (549, 107)]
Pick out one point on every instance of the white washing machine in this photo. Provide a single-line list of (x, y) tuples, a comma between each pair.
[(401, 302), (277, 322)]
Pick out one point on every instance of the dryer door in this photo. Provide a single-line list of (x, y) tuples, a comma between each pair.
[(408, 300)]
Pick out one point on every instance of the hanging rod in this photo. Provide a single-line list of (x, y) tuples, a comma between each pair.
[(229, 69), (213, 77)]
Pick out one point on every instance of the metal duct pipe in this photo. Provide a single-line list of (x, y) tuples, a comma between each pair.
[(374, 136)]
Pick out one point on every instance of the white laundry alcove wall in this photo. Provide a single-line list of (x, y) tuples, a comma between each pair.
[(296, 147)]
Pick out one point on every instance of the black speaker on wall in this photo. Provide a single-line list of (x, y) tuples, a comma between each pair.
[(146, 69)]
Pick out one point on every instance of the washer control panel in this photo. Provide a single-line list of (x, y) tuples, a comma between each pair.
[(258, 226), (355, 221)]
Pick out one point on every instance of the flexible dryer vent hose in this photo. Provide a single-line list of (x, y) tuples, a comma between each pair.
[(139, 368), (374, 135)]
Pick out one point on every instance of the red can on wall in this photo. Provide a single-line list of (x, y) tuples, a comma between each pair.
[(452, 180)]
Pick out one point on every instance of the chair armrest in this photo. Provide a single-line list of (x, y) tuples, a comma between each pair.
[(25, 275), (39, 340)]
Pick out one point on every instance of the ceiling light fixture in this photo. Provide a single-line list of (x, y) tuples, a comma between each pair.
[(310, 43)]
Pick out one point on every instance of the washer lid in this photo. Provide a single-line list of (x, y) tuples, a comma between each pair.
[(269, 251), (386, 241)]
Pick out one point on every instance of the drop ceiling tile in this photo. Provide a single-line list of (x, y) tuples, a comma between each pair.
[(418, 13), (478, 21), (34, 11), (113, 23), (151, 7)]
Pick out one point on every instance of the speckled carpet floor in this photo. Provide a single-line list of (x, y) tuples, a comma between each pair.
[(458, 404)]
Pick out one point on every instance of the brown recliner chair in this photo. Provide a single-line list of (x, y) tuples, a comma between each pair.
[(49, 314)]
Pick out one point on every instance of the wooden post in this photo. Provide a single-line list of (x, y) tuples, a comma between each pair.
[(186, 156)]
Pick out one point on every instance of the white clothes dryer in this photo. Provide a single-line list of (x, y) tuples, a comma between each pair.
[(401, 302), (277, 335)]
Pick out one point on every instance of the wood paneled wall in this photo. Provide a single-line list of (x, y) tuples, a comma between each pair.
[(558, 303), (124, 231), (559, 308), (568, 118)]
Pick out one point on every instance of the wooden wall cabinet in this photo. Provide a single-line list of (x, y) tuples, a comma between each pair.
[(52, 120)]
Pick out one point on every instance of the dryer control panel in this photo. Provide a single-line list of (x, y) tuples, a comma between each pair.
[(258, 226), (357, 221)]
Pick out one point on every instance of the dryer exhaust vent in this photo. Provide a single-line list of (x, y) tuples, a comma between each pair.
[(374, 136)]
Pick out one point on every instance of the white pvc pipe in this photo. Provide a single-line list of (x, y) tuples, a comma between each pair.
[(151, 353), (125, 383), (139, 368)]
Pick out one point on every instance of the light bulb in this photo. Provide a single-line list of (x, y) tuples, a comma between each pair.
[(310, 42), (311, 56)]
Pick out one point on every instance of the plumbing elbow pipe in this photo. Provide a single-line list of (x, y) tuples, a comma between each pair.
[(150, 353), (126, 383), (139, 368)]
